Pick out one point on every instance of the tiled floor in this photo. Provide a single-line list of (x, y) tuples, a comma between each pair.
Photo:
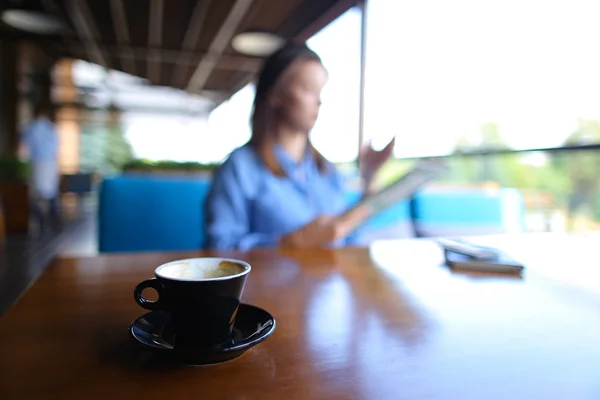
[(83, 240), (23, 258)]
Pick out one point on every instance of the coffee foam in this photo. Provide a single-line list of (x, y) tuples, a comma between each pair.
[(201, 269)]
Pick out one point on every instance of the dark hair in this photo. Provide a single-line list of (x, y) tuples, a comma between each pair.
[(272, 69)]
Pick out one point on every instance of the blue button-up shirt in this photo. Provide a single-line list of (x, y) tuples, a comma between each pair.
[(248, 206), (41, 140)]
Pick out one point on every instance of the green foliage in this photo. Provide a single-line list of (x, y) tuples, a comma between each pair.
[(489, 137), (588, 132), (165, 165), (514, 170), (583, 170), (13, 169), (118, 149), (104, 149), (570, 179)]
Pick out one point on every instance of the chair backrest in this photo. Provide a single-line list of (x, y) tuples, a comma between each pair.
[(475, 211), (77, 183), (147, 213)]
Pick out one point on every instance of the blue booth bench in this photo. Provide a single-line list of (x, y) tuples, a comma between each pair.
[(150, 213), (153, 213), (455, 211)]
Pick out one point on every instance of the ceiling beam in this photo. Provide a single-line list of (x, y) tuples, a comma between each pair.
[(215, 96), (66, 32), (155, 34), (324, 19), (218, 45), (226, 62), (52, 48), (80, 15), (190, 40), (122, 31)]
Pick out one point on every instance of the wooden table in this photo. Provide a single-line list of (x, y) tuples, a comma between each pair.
[(384, 323)]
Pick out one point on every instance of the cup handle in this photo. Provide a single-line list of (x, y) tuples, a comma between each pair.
[(147, 304)]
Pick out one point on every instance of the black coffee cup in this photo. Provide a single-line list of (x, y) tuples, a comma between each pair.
[(202, 296)]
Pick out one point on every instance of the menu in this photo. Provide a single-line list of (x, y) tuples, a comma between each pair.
[(402, 189)]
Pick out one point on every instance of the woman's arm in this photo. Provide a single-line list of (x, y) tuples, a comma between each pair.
[(368, 184), (227, 208), (371, 162)]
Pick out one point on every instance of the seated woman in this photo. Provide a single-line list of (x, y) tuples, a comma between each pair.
[(278, 190)]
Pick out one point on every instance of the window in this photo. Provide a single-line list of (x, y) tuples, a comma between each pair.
[(470, 74), (336, 132), (229, 125)]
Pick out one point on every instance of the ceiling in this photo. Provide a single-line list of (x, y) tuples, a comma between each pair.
[(184, 44)]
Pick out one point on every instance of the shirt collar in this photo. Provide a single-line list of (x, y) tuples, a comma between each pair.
[(288, 164)]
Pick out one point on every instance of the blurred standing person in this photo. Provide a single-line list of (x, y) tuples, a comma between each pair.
[(40, 140)]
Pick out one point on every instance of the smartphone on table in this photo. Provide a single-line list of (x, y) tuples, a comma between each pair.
[(461, 255)]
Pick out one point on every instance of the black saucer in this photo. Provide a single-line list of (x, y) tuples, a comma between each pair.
[(252, 325)]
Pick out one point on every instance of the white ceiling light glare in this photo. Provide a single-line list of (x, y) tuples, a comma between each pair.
[(258, 44), (32, 21)]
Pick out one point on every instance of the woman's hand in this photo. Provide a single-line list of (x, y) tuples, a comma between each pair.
[(372, 160), (325, 229)]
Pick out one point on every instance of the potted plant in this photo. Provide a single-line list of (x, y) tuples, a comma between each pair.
[(167, 167), (14, 192)]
